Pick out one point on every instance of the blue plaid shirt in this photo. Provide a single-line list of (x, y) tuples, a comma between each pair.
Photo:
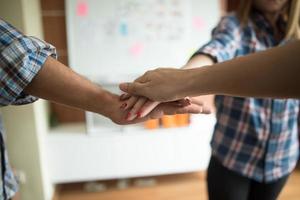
[(256, 138), (21, 58)]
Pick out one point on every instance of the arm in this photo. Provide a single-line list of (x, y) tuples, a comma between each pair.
[(58, 83), (74, 90), (141, 106), (27, 68), (197, 61), (271, 73), (222, 46)]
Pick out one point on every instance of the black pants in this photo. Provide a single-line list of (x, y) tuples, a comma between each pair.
[(224, 184)]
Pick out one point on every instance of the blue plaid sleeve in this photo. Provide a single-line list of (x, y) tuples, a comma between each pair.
[(226, 38), (21, 58), (299, 132)]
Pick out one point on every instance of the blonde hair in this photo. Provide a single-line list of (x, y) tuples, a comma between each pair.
[(291, 14)]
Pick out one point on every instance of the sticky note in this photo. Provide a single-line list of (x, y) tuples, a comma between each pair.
[(198, 23), (136, 49), (123, 29), (82, 9)]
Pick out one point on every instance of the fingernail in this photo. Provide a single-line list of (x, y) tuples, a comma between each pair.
[(128, 116), (133, 117), (139, 114), (201, 109)]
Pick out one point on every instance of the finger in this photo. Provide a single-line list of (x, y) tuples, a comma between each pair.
[(131, 116), (130, 102), (187, 100), (125, 96), (175, 103), (181, 102), (137, 106), (144, 78), (197, 101), (156, 113), (194, 109), (170, 109), (206, 110), (148, 107), (135, 88), (184, 102)]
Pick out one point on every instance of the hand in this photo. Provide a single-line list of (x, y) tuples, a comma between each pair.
[(112, 105), (177, 107), (163, 84), (140, 106), (119, 116)]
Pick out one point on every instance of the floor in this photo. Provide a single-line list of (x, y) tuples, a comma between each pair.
[(174, 187)]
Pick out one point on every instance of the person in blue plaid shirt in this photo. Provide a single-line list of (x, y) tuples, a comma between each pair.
[(28, 69), (255, 141), (255, 144)]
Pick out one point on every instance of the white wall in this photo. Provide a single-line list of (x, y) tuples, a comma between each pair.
[(26, 126)]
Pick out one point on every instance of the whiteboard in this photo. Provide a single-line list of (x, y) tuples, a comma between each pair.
[(110, 41)]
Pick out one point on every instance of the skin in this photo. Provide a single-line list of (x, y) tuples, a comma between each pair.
[(271, 10), (141, 106), (58, 83), (272, 73)]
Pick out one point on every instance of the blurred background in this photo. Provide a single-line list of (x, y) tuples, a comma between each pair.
[(60, 153)]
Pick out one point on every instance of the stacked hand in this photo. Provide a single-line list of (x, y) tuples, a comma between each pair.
[(153, 94), (141, 107), (130, 105), (163, 84)]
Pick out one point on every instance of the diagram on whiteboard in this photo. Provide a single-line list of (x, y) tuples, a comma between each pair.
[(120, 39)]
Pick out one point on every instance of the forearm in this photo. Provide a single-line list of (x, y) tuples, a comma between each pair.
[(198, 61), (58, 83), (272, 73)]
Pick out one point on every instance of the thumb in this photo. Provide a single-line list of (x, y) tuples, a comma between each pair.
[(134, 88)]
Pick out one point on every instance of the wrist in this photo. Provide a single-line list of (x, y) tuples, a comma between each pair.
[(195, 82), (102, 101), (187, 82)]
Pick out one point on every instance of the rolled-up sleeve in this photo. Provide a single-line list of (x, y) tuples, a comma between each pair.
[(21, 58), (226, 38), (299, 129)]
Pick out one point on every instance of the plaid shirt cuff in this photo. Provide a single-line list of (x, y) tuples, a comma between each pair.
[(21, 61), (213, 51), (226, 38)]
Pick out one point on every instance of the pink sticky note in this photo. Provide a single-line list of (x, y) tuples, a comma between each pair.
[(198, 23), (136, 49), (82, 9)]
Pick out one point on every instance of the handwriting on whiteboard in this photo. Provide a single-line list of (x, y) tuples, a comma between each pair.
[(148, 20)]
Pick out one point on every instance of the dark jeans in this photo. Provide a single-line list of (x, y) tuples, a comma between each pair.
[(224, 184)]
